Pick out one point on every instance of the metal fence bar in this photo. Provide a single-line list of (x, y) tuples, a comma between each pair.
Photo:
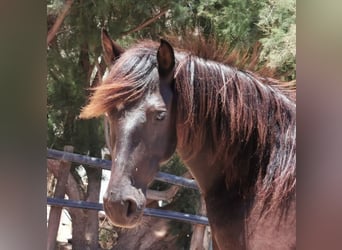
[(106, 164), (176, 180), (82, 159), (147, 211)]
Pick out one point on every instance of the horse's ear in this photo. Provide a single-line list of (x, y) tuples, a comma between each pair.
[(165, 58), (111, 50)]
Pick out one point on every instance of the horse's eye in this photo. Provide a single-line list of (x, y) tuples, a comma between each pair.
[(160, 115)]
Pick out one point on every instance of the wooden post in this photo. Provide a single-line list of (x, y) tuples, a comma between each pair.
[(199, 239), (55, 212)]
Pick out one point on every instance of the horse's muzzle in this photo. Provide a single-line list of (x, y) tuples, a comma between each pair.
[(124, 210)]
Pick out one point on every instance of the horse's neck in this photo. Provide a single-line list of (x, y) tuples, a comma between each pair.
[(235, 220), (202, 169), (225, 210), (277, 230)]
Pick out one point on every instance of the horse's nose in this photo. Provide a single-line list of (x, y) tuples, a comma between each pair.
[(124, 212)]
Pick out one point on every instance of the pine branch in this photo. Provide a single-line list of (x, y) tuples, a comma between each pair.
[(59, 20), (145, 23)]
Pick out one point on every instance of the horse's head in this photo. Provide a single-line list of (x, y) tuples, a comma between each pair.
[(143, 130)]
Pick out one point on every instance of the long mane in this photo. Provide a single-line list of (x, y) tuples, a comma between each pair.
[(246, 119)]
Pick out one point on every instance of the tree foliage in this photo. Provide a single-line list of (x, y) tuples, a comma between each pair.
[(234, 20), (277, 22)]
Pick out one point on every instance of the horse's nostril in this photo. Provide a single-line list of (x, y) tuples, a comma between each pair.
[(131, 207)]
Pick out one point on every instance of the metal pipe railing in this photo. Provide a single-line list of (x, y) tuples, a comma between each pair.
[(147, 211), (106, 164)]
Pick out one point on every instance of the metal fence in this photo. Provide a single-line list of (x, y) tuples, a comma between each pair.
[(106, 164)]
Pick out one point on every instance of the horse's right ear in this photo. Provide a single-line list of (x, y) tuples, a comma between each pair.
[(111, 50)]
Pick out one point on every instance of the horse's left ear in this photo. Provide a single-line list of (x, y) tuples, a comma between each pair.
[(165, 58), (111, 50)]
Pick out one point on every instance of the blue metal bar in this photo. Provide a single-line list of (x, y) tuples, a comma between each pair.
[(59, 202), (176, 180), (106, 164), (82, 159), (198, 219), (147, 211)]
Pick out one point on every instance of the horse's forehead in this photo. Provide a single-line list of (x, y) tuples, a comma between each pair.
[(141, 106), (154, 99), (132, 117)]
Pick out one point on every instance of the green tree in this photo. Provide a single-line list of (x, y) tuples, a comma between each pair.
[(277, 21), (242, 23), (233, 20)]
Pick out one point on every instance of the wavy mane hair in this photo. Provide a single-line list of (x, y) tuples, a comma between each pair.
[(242, 117)]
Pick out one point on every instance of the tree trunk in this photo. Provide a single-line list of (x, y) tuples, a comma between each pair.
[(92, 225), (78, 217), (199, 239), (55, 212), (58, 22)]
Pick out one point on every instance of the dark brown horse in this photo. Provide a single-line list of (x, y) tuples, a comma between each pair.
[(235, 131)]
